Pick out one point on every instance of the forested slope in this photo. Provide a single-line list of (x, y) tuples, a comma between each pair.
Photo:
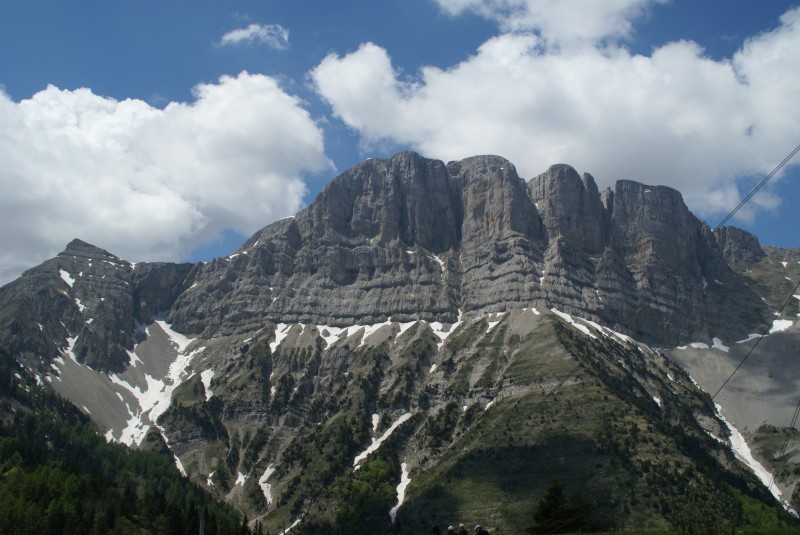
[(58, 475)]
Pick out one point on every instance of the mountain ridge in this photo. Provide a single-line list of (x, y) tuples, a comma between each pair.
[(454, 293)]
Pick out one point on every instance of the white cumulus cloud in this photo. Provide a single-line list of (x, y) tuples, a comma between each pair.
[(674, 117), (272, 35), (149, 183), (558, 22)]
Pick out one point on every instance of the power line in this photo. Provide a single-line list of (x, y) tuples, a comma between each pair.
[(758, 187), (758, 341), (791, 294), (785, 443)]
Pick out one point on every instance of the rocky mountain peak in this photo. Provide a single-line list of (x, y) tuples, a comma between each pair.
[(571, 207), (405, 199), (80, 249), (740, 248)]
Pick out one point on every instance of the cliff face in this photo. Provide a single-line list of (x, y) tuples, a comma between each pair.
[(413, 238)]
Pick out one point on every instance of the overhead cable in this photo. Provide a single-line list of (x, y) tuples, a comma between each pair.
[(758, 187)]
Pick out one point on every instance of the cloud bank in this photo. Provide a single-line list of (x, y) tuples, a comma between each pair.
[(273, 35), (148, 183), (674, 117)]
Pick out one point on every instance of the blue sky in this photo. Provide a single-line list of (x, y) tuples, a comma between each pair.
[(173, 130)]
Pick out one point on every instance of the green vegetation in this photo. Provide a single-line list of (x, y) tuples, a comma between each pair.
[(557, 514), (58, 476), (364, 498)]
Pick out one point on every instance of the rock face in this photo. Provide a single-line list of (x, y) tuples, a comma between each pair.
[(739, 248), (83, 303), (412, 238)]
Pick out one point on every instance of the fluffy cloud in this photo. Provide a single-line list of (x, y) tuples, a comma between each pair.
[(149, 183), (558, 22), (675, 117), (272, 35)]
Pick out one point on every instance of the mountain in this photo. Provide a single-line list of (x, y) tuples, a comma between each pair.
[(436, 343)]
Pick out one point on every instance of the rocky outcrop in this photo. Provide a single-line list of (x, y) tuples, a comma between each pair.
[(739, 248), (156, 286), (571, 208)]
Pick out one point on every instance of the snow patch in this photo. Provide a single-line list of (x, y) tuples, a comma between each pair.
[(209, 481), (281, 331), (442, 333), (699, 345), (719, 345), (206, 377), (333, 334), (133, 358), (179, 464), (67, 277), (495, 321), (81, 307), (284, 532), (240, 479), (486, 408), (377, 443), (369, 330), (180, 341), (742, 452), (375, 421), (401, 490), (433, 368), (780, 325), (751, 336), (154, 399), (70, 347), (266, 488), (441, 263), (405, 326), (566, 317), (658, 401)]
